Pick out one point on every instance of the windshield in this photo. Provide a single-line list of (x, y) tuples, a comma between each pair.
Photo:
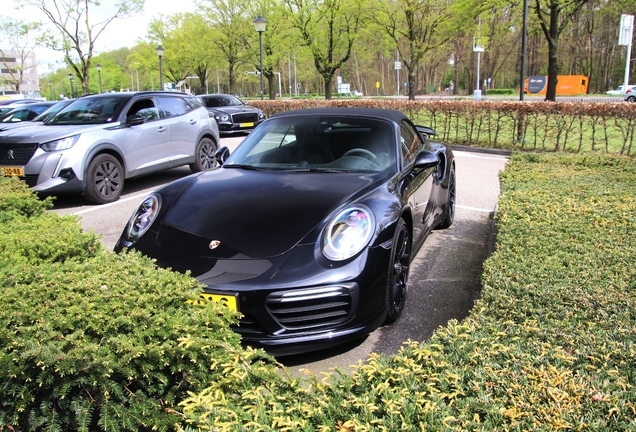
[(309, 143), (221, 101), (90, 110), (51, 111)]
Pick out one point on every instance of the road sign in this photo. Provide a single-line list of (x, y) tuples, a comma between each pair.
[(627, 30), (398, 65)]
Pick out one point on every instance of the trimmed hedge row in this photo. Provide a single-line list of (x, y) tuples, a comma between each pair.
[(545, 126), (92, 340), (98, 341), (550, 345)]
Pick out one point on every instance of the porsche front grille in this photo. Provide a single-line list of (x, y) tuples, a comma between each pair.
[(11, 154), (311, 308)]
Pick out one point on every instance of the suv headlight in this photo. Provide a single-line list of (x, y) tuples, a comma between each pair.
[(347, 233), (222, 117), (61, 144), (143, 217), (261, 115)]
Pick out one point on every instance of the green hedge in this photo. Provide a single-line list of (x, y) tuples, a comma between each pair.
[(580, 127), (549, 346), (92, 340), (500, 92), (98, 341)]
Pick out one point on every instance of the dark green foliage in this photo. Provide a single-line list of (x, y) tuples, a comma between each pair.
[(92, 340)]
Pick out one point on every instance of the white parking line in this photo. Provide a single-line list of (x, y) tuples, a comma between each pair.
[(100, 207)]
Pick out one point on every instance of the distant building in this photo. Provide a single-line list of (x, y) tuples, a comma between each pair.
[(9, 62)]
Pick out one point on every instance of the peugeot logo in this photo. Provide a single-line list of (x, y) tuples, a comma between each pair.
[(214, 244), (10, 154)]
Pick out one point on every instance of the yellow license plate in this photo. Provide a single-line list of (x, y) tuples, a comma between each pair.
[(228, 301), (247, 124), (13, 171)]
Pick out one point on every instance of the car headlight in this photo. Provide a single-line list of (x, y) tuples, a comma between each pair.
[(261, 115), (143, 217), (61, 144), (222, 117), (348, 233)]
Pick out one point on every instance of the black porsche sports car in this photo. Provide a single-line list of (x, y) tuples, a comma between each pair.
[(232, 114), (308, 229)]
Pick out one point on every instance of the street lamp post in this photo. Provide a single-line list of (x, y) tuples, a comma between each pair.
[(70, 78), (99, 75), (260, 24), (51, 89), (160, 51)]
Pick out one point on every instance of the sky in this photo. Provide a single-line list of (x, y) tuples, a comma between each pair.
[(119, 33)]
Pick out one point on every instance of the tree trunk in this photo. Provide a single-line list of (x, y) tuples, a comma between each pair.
[(553, 63)]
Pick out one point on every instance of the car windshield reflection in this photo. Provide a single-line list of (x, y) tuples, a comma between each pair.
[(324, 144), (89, 111)]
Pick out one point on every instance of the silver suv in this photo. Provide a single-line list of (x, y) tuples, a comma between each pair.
[(97, 141)]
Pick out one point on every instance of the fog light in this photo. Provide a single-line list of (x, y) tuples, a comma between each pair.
[(67, 174)]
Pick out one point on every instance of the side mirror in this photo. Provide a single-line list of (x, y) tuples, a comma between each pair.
[(426, 159), (135, 120), (426, 130), (221, 155)]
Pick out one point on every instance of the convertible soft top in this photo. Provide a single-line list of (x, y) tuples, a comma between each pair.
[(387, 114)]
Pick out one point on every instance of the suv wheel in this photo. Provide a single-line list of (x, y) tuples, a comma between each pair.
[(204, 156), (104, 180)]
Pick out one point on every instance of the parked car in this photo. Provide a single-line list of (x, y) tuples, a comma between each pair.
[(619, 90), (97, 141), (309, 228), (232, 114), (15, 103), (26, 112), (43, 116), (630, 96)]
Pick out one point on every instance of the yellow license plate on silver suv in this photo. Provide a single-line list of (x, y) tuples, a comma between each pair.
[(13, 171)]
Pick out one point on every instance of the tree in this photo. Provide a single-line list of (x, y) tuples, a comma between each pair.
[(328, 28), (75, 34), (16, 33), (231, 29), (554, 16), (416, 27)]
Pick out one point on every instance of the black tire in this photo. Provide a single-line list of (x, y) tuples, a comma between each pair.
[(104, 179), (449, 217), (631, 99), (204, 156), (399, 266)]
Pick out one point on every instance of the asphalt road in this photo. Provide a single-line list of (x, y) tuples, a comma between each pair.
[(445, 276)]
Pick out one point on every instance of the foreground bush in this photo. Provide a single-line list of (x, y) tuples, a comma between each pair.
[(551, 345), (92, 340)]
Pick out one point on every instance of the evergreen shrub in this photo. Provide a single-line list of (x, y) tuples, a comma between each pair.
[(92, 340)]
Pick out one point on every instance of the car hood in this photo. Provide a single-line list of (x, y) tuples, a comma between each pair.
[(40, 133), (233, 213)]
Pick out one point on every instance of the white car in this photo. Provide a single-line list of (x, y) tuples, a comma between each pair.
[(630, 96), (619, 90)]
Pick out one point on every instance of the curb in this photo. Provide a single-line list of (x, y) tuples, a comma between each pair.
[(482, 150)]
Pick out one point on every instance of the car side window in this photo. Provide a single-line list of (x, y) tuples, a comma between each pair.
[(410, 142), (174, 106), (145, 108)]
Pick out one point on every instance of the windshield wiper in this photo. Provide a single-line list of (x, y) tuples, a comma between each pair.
[(245, 167)]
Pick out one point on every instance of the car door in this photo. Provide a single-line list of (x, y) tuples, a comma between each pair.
[(184, 123), (420, 182), (146, 145)]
